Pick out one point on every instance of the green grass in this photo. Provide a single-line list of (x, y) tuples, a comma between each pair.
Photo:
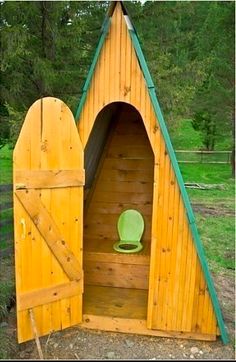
[(217, 234), (210, 174), (6, 215), (5, 178), (7, 288), (7, 292), (6, 165)]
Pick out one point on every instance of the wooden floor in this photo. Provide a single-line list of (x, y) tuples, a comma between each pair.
[(115, 302)]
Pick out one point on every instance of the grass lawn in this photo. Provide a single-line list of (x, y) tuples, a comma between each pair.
[(217, 234), (217, 231), (210, 174), (6, 165)]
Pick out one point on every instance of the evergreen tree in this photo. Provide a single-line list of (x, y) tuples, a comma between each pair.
[(46, 48), (213, 104)]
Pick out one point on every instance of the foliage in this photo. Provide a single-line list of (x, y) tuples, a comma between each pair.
[(204, 123), (168, 36), (213, 103), (15, 122), (190, 51), (47, 47), (5, 127), (185, 137)]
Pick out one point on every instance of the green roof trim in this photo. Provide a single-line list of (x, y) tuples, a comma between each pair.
[(105, 28), (188, 207)]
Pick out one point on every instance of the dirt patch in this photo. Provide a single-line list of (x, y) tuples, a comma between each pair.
[(76, 343), (83, 344), (212, 210)]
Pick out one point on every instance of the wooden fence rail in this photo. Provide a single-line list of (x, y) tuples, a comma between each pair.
[(189, 156)]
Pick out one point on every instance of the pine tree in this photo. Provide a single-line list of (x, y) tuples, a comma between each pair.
[(47, 48)]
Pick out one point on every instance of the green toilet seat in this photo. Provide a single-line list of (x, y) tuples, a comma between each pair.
[(130, 229)]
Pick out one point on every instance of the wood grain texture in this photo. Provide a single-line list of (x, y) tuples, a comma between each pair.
[(136, 326), (115, 302), (176, 282), (48, 229), (126, 187), (41, 179), (48, 295), (48, 142)]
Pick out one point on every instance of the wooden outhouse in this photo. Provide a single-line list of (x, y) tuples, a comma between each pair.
[(71, 183)]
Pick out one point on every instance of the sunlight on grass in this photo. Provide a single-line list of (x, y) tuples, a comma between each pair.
[(210, 174), (217, 234), (6, 165)]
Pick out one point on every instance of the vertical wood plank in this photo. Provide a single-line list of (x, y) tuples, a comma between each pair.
[(173, 310), (169, 245), (155, 272), (37, 272), (183, 271), (181, 294), (22, 229)]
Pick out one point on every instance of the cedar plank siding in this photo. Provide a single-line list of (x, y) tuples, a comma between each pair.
[(178, 295)]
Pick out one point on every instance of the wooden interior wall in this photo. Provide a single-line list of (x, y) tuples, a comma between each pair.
[(124, 181), (178, 295)]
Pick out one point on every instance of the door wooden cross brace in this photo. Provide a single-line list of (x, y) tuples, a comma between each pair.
[(47, 227)]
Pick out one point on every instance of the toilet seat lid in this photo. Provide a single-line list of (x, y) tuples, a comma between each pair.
[(130, 225)]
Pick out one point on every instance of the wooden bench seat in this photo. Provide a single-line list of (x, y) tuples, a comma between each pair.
[(105, 267)]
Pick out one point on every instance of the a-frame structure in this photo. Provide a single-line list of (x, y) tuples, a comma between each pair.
[(65, 219), (118, 94)]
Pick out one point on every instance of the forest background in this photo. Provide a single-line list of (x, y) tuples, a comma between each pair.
[(47, 48)]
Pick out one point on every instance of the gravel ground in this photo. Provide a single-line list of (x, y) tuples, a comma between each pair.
[(76, 343)]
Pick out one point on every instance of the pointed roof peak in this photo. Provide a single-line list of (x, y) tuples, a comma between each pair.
[(112, 8)]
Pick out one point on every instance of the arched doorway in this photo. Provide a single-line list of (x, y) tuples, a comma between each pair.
[(119, 166)]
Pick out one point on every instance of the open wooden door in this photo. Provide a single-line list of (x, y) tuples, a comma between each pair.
[(48, 219)]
